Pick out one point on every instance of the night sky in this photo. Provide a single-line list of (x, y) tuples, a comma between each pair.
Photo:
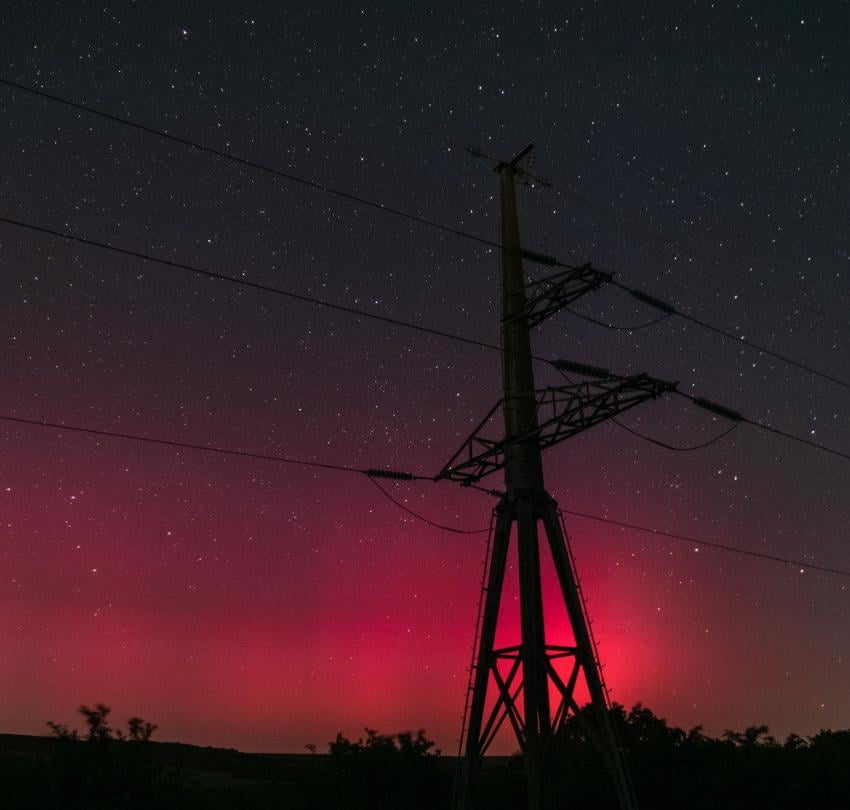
[(264, 606)]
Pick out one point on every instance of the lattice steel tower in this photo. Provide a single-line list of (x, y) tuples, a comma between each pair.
[(524, 674)]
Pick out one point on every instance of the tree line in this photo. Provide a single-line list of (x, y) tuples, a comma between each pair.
[(107, 767)]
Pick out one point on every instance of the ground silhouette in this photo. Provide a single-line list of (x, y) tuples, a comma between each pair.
[(107, 767)]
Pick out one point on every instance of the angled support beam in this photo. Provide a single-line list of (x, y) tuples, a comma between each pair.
[(501, 708), (560, 412), (554, 292)]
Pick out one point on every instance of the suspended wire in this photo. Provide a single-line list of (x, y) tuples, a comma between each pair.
[(682, 537), (762, 282), (371, 473), (253, 285), (677, 448), (317, 186), (658, 442), (409, 511), (205, 447), (633, 222), (430, 223), (800, 439), (381, 207), (342, 308), (710, 544), (353, 197), (769, 428), (665, 307), (764, 350), (728, 413), (615, 327)]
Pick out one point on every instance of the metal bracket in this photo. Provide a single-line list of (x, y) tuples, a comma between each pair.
[(555, 292), (562, 412)]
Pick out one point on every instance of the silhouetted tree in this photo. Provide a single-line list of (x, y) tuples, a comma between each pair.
[(140, 731), (673, 769), (386, 771), (107, 768), (97, 722)]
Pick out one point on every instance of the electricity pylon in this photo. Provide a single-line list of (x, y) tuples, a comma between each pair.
[(524, 674)]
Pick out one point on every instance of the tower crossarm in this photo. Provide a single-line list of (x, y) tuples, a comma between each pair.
[(562, 411), (553, 293)]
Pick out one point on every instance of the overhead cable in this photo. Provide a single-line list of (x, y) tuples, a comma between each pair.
[(252, 284), (400, 505), (685, 538), (213, 449), (710, 544), (701, 402), (735, 416), (677, 448), (670, 309), (533, 256), (479, 153), (594, 371), (373, 473), (558, 364), (641, 224), (527, 254), (617, 327)]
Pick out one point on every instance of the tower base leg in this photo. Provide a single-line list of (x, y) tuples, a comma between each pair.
[(521, 678)]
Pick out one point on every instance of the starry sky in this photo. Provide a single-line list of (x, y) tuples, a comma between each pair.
[(263, 606)]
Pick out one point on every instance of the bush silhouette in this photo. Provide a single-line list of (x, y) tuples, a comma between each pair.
[(101, 766)]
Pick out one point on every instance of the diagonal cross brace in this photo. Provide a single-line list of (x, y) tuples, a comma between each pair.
[(562, 412), (555, 292)]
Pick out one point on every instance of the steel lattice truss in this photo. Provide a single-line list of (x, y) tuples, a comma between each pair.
[(557, 291), (510, 685), (562, 412)]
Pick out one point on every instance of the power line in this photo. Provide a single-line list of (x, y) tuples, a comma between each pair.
[(670, 309), (641, 223), (800, 439), (212, 449), (339, 307), (251, 284), (685, 538), (719, 410), (649, 439), (739, 417), (313, 184), (409, 511), (616, 327), (763, 349), (720, 546), (762, 282), (530, 255), (373, 473), (667, 309), (677, 448)]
